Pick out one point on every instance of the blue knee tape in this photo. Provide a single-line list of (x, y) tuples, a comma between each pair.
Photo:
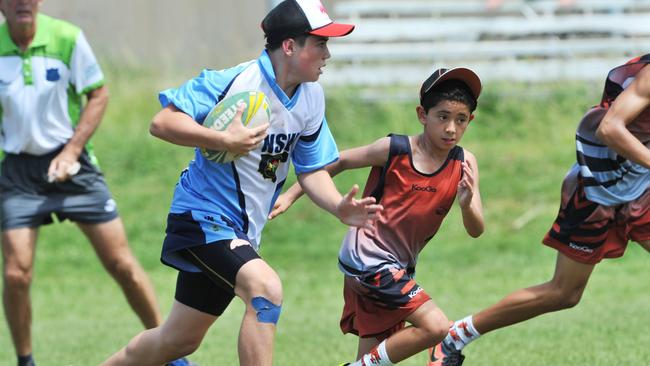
[(267, 312)]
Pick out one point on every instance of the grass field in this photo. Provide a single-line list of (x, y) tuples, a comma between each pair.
[(523, 139)]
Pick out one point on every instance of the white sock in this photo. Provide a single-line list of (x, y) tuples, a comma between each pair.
[(461, 333), (376, 357)]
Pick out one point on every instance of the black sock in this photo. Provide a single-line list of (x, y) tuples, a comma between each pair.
[(26, 360)]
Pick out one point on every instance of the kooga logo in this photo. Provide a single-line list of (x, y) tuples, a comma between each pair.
[(430, 189)]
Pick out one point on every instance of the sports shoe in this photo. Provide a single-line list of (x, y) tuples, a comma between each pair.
[(445, 355), (181, 362)]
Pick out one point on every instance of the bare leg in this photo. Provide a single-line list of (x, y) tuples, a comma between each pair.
[(429, 327), (366, 344), (257, 279), (179, 336), (109, 241), (561, 292), (18, 246)]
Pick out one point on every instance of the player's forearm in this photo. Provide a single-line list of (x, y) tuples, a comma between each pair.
[(320, 188), (621, 140), (295, 191), (88, 121), (180, 129), (473, 219)]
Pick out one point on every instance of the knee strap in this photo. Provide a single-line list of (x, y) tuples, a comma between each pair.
[(267, 312)]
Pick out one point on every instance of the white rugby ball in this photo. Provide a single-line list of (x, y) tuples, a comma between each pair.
[(257, 111)]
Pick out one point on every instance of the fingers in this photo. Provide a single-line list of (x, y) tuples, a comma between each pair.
[(468, 176), (467, 168), (277, 210), (74, 168), (240, 111), (244, 139), (260, 130), (366, 200), (273, 214), (62, 170), (374, 209), (52, 171), (259, 133), (351, 193)]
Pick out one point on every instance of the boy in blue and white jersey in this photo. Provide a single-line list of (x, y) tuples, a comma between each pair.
[(219, 210), (238, 196)]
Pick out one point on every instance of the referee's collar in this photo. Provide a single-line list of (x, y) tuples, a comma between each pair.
[(41, 38)]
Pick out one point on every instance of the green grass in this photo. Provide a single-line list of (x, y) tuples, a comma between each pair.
[(523, 139)]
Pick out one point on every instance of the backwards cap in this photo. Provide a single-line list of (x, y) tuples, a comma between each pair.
[(465, 75), (292, 18)]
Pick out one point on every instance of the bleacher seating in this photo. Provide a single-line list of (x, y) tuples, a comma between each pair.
[(397, 42)]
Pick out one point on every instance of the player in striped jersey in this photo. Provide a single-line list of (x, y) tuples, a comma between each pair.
[(605, 203)]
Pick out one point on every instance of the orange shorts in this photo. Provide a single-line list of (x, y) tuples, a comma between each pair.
[(377, 304), (587, 232)]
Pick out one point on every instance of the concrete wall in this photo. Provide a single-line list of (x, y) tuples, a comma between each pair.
[(170, 35)]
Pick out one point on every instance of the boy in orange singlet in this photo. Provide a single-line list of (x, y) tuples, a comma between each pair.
[(416, 179)]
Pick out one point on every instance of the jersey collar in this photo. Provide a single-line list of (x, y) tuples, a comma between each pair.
[(264, 61), (41, 38), (43, 31)]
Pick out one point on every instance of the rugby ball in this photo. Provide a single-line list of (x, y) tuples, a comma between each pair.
[(257, 111)]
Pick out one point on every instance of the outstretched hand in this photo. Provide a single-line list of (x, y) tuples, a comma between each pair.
[(361, 213), (241, 139), (280, 206), (466, 185)]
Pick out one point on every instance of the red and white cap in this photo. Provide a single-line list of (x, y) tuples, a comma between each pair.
[(292, 18)]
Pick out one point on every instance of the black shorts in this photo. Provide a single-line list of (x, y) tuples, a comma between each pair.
[(212, 289)]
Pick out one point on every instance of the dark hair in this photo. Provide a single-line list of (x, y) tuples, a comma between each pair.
[(300, 40), (452, 90)]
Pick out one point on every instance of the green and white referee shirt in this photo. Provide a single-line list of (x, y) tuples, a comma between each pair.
[(41, 89)]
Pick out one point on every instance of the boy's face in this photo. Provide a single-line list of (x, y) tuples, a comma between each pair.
[(309, 59), (445, 123)]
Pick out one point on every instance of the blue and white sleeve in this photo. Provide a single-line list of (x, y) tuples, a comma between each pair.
[(315, 151), (199, 95)]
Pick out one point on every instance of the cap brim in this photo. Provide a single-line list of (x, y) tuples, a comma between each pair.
[(465, 75), (333, 30)]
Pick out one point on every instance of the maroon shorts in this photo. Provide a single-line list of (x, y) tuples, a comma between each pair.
[(377, 304), (587, 232)]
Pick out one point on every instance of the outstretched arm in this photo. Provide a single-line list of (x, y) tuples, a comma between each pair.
[(469, 197), (351, 211), (374, 154), (627, 107)]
